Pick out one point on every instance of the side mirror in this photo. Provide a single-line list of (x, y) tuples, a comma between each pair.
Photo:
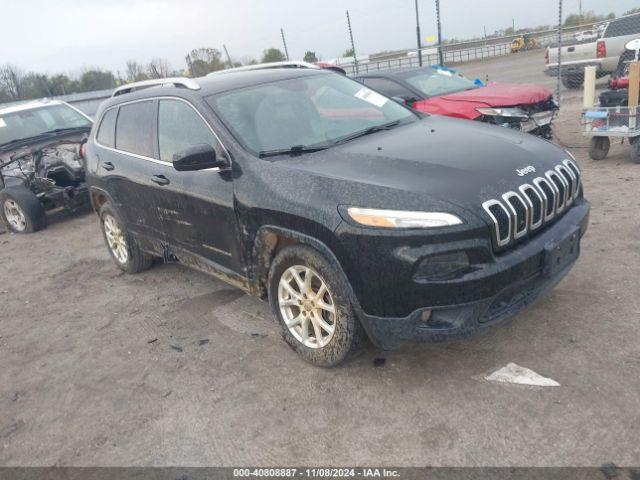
[(197, 157)]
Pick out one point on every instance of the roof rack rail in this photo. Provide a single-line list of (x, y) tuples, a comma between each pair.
[(265, 66), (157, 82)]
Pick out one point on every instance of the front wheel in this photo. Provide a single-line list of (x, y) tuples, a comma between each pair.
[(310, 298), (599, 147), (21, 210), (121, 244)]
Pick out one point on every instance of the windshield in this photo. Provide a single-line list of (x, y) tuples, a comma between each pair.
[(305, 112), (433, 82), (38, 121)]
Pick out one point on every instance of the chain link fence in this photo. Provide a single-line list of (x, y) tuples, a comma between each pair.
[(556, 44)]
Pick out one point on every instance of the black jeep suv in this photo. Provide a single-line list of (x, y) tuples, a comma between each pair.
[(349, 212), (41, 164)]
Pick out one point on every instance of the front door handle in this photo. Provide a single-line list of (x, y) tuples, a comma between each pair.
[(160, 180), (108, 166)]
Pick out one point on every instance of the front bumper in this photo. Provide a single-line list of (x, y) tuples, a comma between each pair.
[(515, 280)]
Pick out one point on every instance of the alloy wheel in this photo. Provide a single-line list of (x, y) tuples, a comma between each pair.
[(115, 239), (15, 216), (307, 307)]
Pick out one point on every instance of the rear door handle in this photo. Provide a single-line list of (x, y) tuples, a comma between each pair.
[(108, 166), (572, 49), (160, 180)]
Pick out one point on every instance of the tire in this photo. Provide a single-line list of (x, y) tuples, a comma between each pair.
[(634, 149), (122, 246), (21, 211), (347, 333), (599, 147), (573, 81)]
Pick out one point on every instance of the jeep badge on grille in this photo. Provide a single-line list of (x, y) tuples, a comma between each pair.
[(523, 171)]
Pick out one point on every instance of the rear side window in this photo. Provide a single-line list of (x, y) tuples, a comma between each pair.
[(134, 129), (107, 131), (623, 26), (179, 127), (388, 87)]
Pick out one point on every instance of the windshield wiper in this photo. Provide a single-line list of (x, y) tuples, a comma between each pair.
[(296, 149), (369, 131)]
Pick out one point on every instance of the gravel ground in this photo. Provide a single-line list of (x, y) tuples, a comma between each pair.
[(171, 367)]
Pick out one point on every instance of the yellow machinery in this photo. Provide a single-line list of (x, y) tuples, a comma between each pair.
[(523, 42)]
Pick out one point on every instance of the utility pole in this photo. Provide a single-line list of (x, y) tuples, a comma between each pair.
[(284, 42), (580, 12), (226, 52), (485, 31), (418, 36), (353, 47), (440, 56)]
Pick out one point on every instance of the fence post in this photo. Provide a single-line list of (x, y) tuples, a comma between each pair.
[(559, 78), (418, 35), (440, 57)]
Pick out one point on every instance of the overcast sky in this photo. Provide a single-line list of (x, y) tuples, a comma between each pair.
[(69, 35)]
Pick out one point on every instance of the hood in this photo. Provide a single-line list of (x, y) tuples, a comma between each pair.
[(463, 104), (29, 146), (454, 161)]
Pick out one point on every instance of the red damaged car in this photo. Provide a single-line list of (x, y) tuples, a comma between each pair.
[(442, 91)]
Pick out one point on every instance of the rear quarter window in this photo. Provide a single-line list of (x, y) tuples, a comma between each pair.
[(107, 131), (135, 128)]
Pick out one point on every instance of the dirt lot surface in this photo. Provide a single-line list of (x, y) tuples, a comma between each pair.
[(171, 367)]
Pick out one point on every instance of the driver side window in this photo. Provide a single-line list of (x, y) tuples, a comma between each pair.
[(179, 127)]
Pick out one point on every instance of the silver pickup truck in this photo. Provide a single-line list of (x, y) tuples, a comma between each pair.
[(602, 53)]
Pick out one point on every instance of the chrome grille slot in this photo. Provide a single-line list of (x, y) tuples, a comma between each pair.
[(530, 206), (549, 196), (576, 173), (536, 205), (519, 212), (501, 220), (560, 188), (569, 179)]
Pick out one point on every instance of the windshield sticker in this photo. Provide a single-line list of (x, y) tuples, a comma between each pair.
[(2, 124), (370, 96)]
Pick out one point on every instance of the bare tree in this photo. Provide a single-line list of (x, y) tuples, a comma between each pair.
[(158, 68), (12, 81), (135, 71)]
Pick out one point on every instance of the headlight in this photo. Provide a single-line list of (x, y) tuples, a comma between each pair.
[(402, 219), (515, 113)]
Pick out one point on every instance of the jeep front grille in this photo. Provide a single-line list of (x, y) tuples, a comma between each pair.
[(533, 204)]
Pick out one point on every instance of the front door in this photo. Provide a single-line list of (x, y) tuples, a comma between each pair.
[(198, 211)]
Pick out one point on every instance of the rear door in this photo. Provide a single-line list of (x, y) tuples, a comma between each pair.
[(126, 155), (199, 212)]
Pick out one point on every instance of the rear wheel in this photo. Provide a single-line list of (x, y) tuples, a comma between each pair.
[(573, 81), (310, 298), (599, 147), (21, 210), (121, 244)]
